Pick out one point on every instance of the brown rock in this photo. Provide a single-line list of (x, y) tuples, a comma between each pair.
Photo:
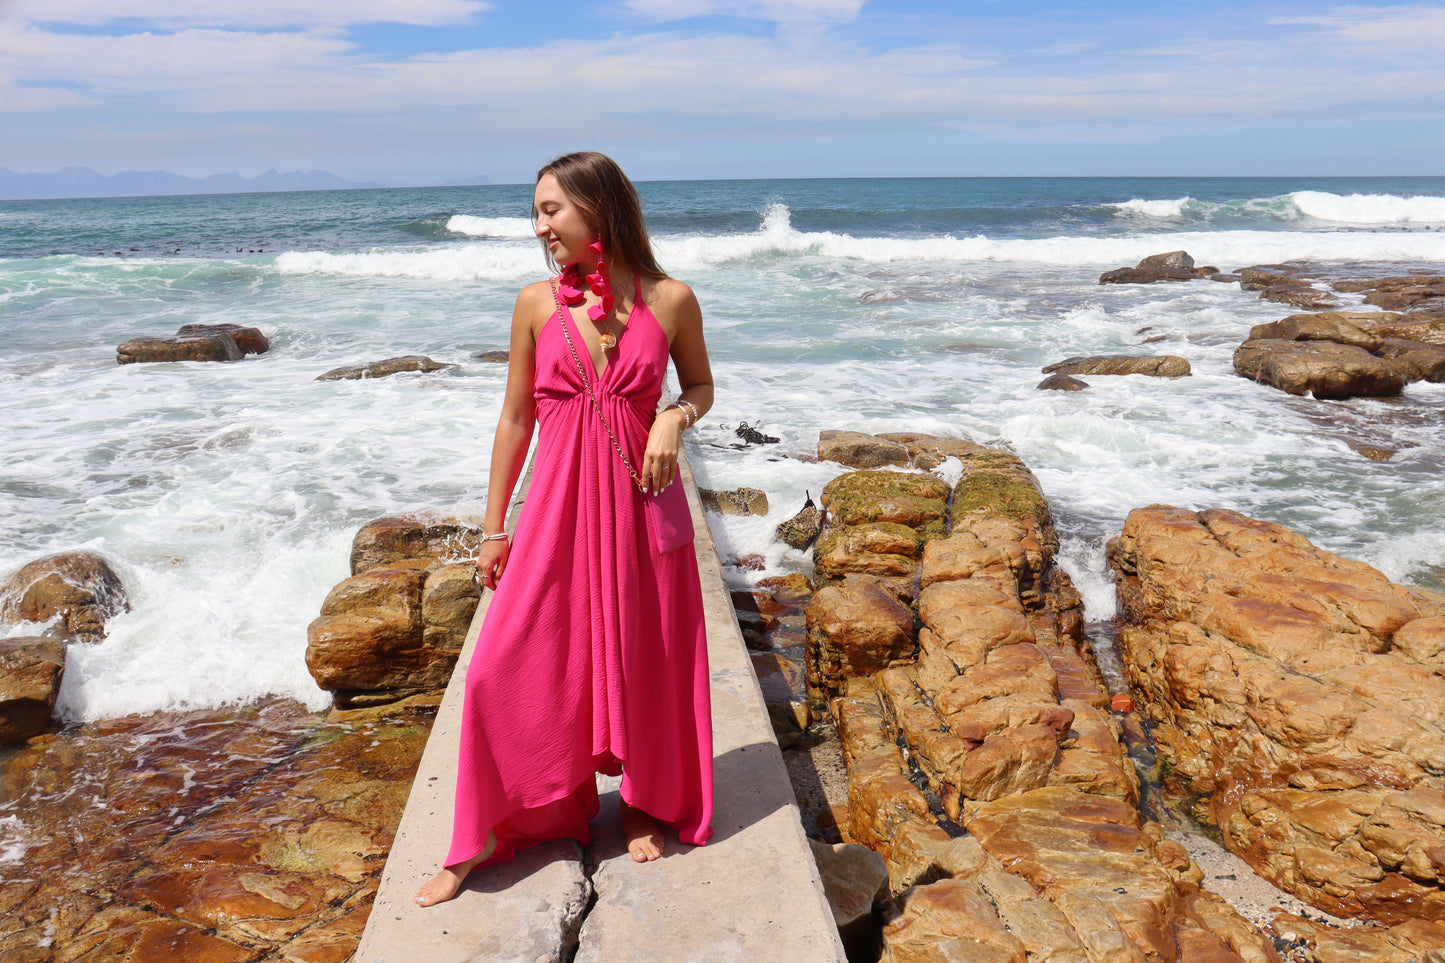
[(1265, 276), (855, 629), (1159, 366), (802, 529), (30, 672), (249, 340), (1321, 368), (738, 501), (399, 539), (950, 921), (1407, 298), (381, 369), (80, 590), (858, 450), (1388, 284), (498, 356), (1171, 261), (1416, 360), (1173, 266), (220, 346), (1427, 331), (1060, 382), (1341, 327), (449, 599), (879, 548), (1298, 295), (854, 877), (916, 500), (927, 452)]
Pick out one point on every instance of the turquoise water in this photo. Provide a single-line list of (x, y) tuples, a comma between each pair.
[(228, 494)]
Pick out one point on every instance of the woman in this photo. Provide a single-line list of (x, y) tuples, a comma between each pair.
[(593, 655)]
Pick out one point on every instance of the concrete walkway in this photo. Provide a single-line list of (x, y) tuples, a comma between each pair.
[(752, 893)]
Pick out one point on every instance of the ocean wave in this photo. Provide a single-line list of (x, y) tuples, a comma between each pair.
[(1296, 207), (472, 226), (505, 259)]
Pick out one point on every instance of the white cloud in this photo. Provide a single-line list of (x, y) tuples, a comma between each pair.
[(173, 14), (783, 11), (1414, 26)]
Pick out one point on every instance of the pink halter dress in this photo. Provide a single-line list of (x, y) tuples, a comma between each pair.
[(593, 653)]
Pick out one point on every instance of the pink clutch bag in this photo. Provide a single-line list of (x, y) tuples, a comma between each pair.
[(671, 518)]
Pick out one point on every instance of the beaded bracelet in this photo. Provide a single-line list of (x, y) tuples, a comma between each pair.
[(689, 412)]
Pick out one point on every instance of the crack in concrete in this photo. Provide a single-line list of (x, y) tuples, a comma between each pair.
[(572, 926)]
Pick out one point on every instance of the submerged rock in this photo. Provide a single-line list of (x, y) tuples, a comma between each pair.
[(80, 591), (1173, 266), (1157, 366), (381, 369), (30, 672), (1062, 382)]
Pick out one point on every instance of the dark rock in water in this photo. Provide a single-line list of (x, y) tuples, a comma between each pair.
[(1412, 298), (1157, 366), (1418, 361), (1225, 277), (1341, 327), (1321, 368), (738, 501), (859, 450), (751, 436), (1263, 276), (498, 356), (195, 342), (800, 530), (1299, 296), (1352, 286), (1061, 382), (79, 589), (380, 369), (249, 340), (1173, 266), (218, 347), (1370, 451), (31, 668)]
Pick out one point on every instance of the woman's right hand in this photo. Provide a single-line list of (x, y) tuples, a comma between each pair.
[(492, 561)]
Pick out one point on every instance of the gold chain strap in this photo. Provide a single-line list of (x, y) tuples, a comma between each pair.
[(586, 383)]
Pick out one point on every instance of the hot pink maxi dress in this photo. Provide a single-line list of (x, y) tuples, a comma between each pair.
[(593, 653)]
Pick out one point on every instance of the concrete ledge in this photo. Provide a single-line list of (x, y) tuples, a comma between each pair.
[(752, 892)]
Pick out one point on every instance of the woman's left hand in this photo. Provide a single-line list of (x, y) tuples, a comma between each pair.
[(659, 461)]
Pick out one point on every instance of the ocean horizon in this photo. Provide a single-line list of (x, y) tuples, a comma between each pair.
[(228, 494)]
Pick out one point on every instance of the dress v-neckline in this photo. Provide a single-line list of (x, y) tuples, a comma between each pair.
[(626, 327)]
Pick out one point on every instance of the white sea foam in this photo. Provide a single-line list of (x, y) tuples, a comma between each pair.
[(1370, 208), (1160, 210), (464, 262), (15, 840), (490, 226)]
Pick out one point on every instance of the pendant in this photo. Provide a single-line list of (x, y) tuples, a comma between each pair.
[(608, 339)]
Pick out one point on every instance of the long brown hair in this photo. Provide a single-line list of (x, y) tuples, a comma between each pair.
[(610, 206)]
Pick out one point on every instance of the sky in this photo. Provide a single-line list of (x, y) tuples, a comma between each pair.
[(412, 92)]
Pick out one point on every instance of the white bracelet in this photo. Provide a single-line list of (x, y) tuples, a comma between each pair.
[(500, 536), (692, 408)]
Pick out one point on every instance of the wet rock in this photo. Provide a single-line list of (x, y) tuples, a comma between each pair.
[(737, 501), (1427, 331), (1266, 276), (1411, 942), (858, 450), (498, 357), (218, 835), (1270, 672), (1061, 382), (1396, 283), (1299, 296), (381, 369), (1416, 360), (854, 630), (1341, 327), (1173, 266), (1408, 298), (802, 529), (149, 350), (30, 672), (1321, 368), (80, 591), (415, 540), (249, 340), (1158, 366)]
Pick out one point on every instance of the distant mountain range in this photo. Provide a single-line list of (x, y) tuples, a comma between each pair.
[(85, 182)]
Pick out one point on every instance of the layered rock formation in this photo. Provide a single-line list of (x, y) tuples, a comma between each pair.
[(1172, 266), (397, 625), (31, 669), (982, 764), (1300, 696), (1158, 366)]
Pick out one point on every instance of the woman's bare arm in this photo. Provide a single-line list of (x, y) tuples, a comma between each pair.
[(680, 315)]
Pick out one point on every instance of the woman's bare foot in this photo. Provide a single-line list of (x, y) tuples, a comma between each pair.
[(644, 838), (445, 885)]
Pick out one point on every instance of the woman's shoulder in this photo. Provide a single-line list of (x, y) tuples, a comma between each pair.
[(669, 294)]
